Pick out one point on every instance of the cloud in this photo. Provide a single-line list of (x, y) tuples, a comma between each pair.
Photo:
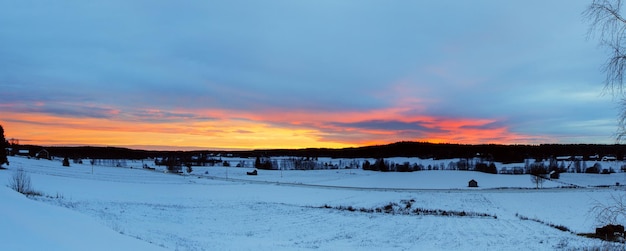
[(351, 72), (389, 125), (64, 110), (159, 116), (486, 126)]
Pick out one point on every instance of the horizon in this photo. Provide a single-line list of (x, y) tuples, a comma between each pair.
[(292, 75), (191, 148)]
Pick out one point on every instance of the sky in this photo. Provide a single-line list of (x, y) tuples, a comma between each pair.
[(199, 74)]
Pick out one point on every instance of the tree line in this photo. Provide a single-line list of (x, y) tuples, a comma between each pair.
[(489, 152)]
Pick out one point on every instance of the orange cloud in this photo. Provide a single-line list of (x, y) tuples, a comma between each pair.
[(213, 128), (53, 130)]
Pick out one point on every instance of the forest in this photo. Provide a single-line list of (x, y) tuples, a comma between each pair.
[(490, 152)]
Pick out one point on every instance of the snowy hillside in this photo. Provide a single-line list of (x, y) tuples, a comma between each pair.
[(31, 225), (219, 208)]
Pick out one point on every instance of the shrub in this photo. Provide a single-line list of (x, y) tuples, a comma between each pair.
[(592, 169), (189, 168), (394, 208), (552, 225), (20, 182), (596, 168), (404, 167), (367, 165), (538, 169), (66, 162), (381, 165), (483, 167), (263, 163)]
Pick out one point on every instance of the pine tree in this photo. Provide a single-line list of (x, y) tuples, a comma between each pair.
[(3, 148), (257, 162)]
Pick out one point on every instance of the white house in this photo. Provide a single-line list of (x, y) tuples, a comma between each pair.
[(609, 158)]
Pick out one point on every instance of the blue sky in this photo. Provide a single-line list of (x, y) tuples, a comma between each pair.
[(265, 74)]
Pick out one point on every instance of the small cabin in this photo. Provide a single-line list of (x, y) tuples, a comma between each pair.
[(23, 152), (472, 183), (43, 154)]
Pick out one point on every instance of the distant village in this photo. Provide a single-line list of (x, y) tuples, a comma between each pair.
[(320, 159)]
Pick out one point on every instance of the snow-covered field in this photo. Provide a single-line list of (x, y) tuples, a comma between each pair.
[(218, 208)]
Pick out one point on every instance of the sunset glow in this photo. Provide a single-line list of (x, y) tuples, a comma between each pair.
[(298, 74), (232, 130)]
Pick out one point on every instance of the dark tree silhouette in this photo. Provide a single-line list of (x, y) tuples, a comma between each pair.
[(492, 168), (367, 165), (3, 148), (263, 163), (189, 168), (257, 162), (66, 162), (608, 23)]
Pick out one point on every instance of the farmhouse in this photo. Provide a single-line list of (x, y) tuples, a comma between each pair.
[(473, 183)]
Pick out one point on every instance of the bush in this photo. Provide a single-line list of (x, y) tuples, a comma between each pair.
[(66, 162), (592, 169), (379, 165), (20, 182), (263, 163), (483, 167), (538, 169), (405, 167), (189, 168), (596, 168), (367, 165)]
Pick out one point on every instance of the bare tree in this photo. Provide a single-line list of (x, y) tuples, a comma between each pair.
[(537, 180), (608, 23), (610, 213)]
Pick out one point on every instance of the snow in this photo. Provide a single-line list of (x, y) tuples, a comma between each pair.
[(31, 225), (219, 208), (586, 179), (384, 180)]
